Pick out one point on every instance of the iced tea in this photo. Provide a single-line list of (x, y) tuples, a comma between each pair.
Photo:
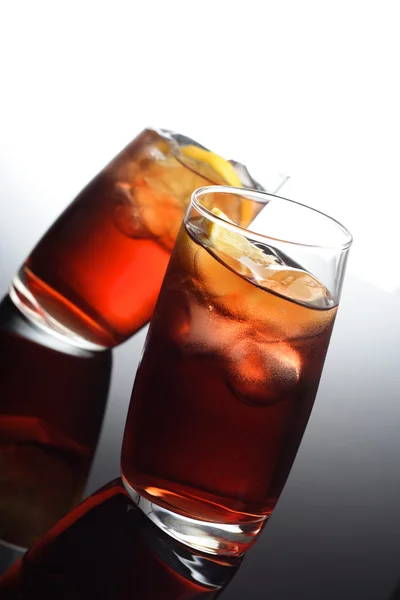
[(228, 378), (95, 275)]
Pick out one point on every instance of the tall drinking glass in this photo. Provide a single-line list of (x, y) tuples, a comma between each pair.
[(231, 365), (94, 277)]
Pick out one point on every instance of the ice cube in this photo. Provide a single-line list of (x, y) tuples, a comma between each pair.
[(142, 212), (261, 374), (226, 284), (245, 177), (296, 285), (127, 216), (206, 330), (214, 276)]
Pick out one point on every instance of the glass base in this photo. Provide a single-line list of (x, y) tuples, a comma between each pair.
[(223, 539), (25, 301)]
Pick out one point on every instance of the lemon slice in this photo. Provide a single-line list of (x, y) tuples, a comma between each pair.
[(234, 244), (226, 172), (265, 269), (221, 166)]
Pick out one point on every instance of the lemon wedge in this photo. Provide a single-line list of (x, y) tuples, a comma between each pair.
[(225, 170), (247, 259), (234, 244), (221, 166)]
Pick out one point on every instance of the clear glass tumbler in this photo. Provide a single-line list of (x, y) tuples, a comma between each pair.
[(231, 366), (94, 277)]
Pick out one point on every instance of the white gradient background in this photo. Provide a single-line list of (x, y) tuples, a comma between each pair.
[(306, 87)]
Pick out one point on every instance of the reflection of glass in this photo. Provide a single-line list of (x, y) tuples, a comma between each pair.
[(51, 410), (94, 277), (106, 549), (231, 366)]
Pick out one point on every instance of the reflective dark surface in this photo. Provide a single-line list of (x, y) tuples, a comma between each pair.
[(336, 530), (107, 548), (52, 403)]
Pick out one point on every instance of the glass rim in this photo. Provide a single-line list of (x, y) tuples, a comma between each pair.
[(176, 141), (175, 148), (260, 196)]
